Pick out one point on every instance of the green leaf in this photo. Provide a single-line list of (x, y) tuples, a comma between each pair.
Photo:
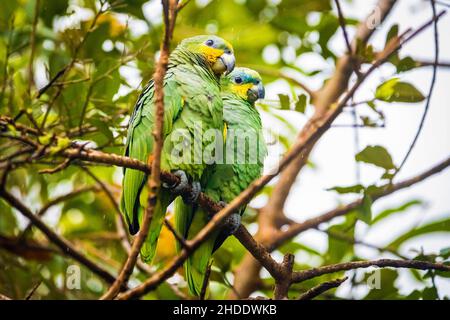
[(350, 189), (365, 210), (387, 289), (394, 90), (430, 294), (437, 226), (103, 127), (445, 253), (404, 207), (292, 247), (284, 102), (393, 32), (339, 248), (300, 105), (406, 64), (377, 156), (364, 52), (107, 80)]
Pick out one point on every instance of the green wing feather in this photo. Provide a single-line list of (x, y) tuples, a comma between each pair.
[(191, 95), (139, 146)]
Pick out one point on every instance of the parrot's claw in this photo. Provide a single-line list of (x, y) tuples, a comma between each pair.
[(221, 203), (232, 223), (193, 196), (180, 186)]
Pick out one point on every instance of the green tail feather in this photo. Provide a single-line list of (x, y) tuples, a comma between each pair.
[(148, 249), (197, 264), (183, 218)]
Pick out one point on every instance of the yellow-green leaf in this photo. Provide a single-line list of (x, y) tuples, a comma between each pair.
[(394, 90)]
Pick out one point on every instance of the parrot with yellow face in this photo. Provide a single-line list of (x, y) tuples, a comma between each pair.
[(222, 182)]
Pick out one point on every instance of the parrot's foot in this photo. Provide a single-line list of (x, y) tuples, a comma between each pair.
[(232, 222), (180, 187), (195, 192)]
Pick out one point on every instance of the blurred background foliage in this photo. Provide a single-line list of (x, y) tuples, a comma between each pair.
[(110, 49)]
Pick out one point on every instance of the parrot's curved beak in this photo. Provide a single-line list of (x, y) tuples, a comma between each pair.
[(225, 63), (256, 92)]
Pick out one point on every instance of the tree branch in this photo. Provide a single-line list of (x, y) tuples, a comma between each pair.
[(321, 288), (301, 276), (283, 282)]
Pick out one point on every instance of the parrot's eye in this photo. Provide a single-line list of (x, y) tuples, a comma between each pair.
[(227, 51), (238, 80), (209, 43)]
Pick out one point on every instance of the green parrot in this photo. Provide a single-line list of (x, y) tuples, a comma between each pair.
[(192, 105), (243, 163)]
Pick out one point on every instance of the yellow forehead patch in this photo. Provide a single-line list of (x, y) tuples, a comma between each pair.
[(211, 54), (228, 44), (241, 89)]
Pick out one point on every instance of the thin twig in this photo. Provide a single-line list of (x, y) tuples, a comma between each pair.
[(177, 236), (182, 4), (33, 290), (430, 92), (343, 27), (33, 47), (321, 288), (301, 276), (62, 74), (205, 281)]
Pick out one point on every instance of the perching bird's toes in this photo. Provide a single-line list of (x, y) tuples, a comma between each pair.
[(193, 195), (179, 187), (221, 203), (232, 223)]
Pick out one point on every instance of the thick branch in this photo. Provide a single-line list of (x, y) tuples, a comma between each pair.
[(283, 282)]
